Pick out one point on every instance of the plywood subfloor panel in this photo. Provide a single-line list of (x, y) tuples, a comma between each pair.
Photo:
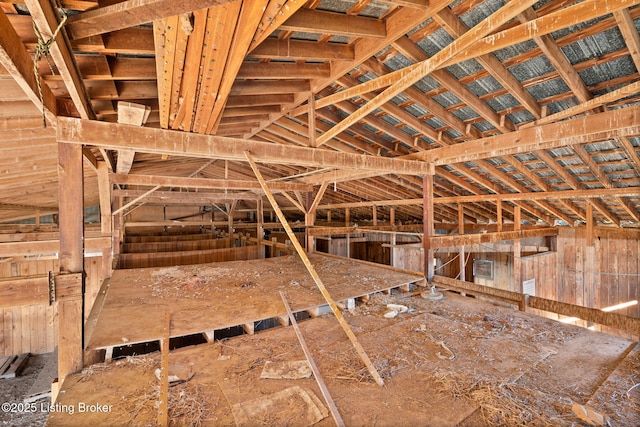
[(502, 358), (208, 297)]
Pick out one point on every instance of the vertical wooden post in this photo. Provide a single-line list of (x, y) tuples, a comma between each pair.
[(329, 216), (260, 228), (312, 120), (106, 222), (309, 221), (589, 224), (461, 232), (499, 215), (517, 261), (427, 190), (392, 217), (71, 259), (347, 217), (375, 215)]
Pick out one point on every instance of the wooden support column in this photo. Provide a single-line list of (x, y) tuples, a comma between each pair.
[(427, 190), (374, 214), (461, 232), (106, 223), (260, 228), (392, 217), (312, 120), (517, 261), (347, 223), (589, 224), (71, 261), (309, 221), (499, 215), (230, 211), (314, 274), (329, 216)]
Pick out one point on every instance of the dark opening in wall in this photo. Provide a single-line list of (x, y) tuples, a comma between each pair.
[(135, 349)]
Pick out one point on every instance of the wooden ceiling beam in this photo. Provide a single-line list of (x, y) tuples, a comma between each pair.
[(203, 183), (178, 197), (18, 63), (131, 13), (283, 70), (408, 76), (302, 50), (258, 100), (323, 22), (454, 26), (630, 34), (160, 141), (46, 19), (601, 126), (546, 24), (241, 88)]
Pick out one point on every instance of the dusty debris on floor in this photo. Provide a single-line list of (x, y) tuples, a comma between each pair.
[(522, 370)]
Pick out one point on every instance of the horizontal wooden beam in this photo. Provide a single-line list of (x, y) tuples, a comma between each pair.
[(130, 13), (545, 195), (159, 141), (475, 239), (332, 231), (596, 127), (324, 22), (283, 70), (614, 320), (218, 184), (48, 246), (303, 50), (503, 295), (181, 198)]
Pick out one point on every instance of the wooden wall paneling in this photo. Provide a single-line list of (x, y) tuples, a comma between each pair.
[(16, 330), (634, 279), (2, 334), (5, 336), (581, 271)]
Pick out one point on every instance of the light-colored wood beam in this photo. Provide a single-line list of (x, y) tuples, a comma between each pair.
[(324, 22), (160, 141), (476, 239), (601, 126), (46, 19), (223, 184), (130, 13), (410, 75), (15, 58), (630, 34)]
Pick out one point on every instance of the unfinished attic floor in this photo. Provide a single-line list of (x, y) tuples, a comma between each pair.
[(211, 297), (454, 362)]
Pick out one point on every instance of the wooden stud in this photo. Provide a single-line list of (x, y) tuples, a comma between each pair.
[(314, 274)]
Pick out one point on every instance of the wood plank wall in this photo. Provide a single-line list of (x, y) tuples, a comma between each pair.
[(33, 328)]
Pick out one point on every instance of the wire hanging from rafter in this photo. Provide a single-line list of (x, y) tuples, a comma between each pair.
[(42, 51)]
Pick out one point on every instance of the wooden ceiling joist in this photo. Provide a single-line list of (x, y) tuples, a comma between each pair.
[(159, 141), (130, 13), (182, 182)]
